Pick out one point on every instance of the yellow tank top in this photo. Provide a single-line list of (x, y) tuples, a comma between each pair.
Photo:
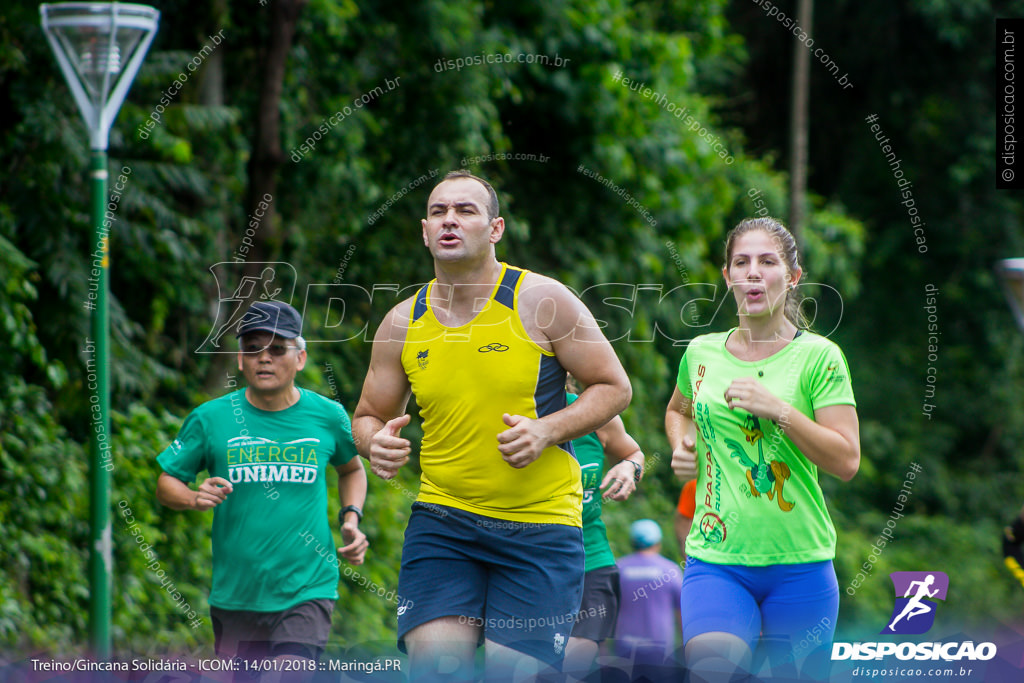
[(464, 378)]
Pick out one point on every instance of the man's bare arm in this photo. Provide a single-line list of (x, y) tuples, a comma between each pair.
[(557, 320), (380, 414), (625, 455), (177, 495), (352, 491)]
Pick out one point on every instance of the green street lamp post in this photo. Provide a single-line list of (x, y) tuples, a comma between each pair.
[(100, 47)]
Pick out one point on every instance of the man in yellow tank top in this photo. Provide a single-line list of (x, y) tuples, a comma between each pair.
[(493, 552)]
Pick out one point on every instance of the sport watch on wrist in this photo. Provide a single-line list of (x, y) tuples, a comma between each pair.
[(638, 470), (349, 508)]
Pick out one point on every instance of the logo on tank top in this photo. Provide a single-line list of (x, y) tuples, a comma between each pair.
[(493, 346), (589, 475), (421, 359), (559, 643)]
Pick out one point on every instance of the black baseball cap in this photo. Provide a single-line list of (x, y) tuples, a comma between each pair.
[(271, 316)]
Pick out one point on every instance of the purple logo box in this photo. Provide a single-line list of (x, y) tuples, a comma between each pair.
[(916, 592)]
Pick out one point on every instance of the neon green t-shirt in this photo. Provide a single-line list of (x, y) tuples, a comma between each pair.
[(272, 543), (758, 498), (590, 455)]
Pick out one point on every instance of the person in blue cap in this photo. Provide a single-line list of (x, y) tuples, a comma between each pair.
[(266, 448), (649, 609)]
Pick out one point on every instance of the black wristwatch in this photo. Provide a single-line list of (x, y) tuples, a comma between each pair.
[(349, 508), (639, 470)]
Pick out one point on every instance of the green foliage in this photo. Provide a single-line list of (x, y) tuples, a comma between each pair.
[(148, 617), (44, 482), (655, 216), (45, 588), (43, 591), (368, 593)]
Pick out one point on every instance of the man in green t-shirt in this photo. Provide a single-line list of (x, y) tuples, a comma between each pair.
[(266, 448), (599, 608)]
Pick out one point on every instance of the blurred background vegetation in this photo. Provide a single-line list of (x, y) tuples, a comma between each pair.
[(925, 67)]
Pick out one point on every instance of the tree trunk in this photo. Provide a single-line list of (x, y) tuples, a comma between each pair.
[(211, 94), (799, 122), (267, 155)]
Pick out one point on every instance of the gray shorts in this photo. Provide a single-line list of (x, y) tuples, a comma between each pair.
[(301, 630), (599, 610)]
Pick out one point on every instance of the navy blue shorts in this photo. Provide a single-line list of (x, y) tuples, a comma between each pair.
[(521, 581)]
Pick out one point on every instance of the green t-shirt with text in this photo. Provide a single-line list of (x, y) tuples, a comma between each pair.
[(590, 455), (272, 543), (758, 498)]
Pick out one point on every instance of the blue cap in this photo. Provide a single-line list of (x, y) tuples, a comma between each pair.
[(271, 316), (644, 533)]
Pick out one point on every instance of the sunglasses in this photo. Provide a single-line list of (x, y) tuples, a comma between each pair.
[(275, 350)]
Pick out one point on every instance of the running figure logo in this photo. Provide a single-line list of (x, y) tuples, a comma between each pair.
[(244, 290), (914, 611)]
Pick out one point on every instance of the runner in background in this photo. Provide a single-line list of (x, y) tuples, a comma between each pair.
[(651, 584), (600, 607)]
